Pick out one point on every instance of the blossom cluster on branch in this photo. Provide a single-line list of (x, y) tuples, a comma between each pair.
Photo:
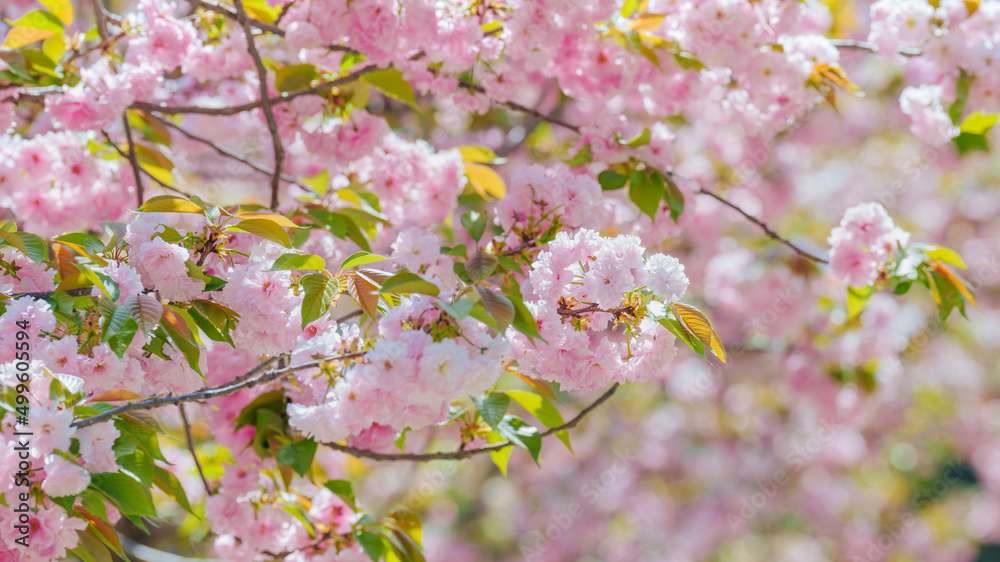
[(325, 227)]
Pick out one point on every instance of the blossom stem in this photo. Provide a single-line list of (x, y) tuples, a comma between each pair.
[(460, 454)]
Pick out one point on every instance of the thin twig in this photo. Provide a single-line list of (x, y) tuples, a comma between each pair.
[(194, 455), (133, 158), (46, 294), (122, 153), (767, 230), (265, 103), (270, 28), (284, 97), (226, 152), (102, 19), (213, 392), (466, 453), (871, 47)]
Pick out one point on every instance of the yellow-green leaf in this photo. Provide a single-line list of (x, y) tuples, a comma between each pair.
[(19, 37), (484, 180), (62, 9), (475, 153), (273, 217), (265, 228), (170, 204), (947, 255), (390, 82), (698, 325), (978, 123)]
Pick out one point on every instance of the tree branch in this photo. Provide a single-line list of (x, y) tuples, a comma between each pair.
[(122, 153), (265, 103), (767, 230), (226, 152), (133, 158), (190, 443), (871, 48), (46, 294), (466, 453), (282, 98), (226, 389), (270, 28)]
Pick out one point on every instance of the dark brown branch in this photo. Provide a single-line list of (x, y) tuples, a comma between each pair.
[(460, 454), (871, 48), (226, 152), (133, 159), (190, 443), (213, 392), (46, 294), (102, 19), (767, 230), (265, 103), (270, 28), (122, 153), (282, 98)]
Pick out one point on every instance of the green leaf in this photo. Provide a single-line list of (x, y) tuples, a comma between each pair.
[(297, 262), (318, 292), (219, 334), (361, 258), (130, 496), (675, 328), (39, 19), (298, 455), (521, 434), (645, 192), (523, 321), (30, 245), (390, 82), (492, 406), (171, 486), (857, 297), (372, 544), (344, 490), (265, 228), (114, 319), (176, 326), (138, 465), (611, 180), (458, 310), (961, 95), (405, 282), (641, 139), (294, 77), (540, 407), (583, 156), (674, 197), (480, 265), (968, 142), (136, 435), (475, 224), (629, 7)]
